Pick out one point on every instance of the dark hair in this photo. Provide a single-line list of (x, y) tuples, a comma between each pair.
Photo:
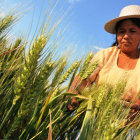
[(135, 21)]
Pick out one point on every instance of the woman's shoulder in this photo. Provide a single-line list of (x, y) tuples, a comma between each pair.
[(107, 52), (103, 55)]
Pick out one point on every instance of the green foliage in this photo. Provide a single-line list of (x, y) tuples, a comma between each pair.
[(5, 24), (33, 95)]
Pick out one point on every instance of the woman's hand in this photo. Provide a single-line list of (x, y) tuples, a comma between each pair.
[(76, 87), (136, 105), (74, 103), (127, 97), (132, 102)]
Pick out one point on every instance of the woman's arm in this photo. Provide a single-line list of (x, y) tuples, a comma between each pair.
[(77, 86)]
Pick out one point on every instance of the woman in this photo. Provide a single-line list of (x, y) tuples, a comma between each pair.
[(121, 61)]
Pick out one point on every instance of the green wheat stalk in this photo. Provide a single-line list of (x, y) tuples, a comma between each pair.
[(68, 72), (86, 64), (58, 73)]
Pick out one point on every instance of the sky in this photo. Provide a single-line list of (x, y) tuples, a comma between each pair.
[(86, 18)]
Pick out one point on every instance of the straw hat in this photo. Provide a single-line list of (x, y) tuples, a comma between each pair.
[(131, 11)]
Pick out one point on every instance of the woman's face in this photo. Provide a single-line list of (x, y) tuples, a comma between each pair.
[(128, 37)]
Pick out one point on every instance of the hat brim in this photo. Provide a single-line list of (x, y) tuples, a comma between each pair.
[(110, 26)]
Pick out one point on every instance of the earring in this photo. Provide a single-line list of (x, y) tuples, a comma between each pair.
[(139, 47), (118, 46)]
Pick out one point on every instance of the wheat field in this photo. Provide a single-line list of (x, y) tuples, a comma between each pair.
[(33, 91)]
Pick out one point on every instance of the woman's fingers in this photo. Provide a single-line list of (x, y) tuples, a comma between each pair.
[(127, 97), (70, 107), (136, 104), (126, 104), (133, 105), (74, 103)]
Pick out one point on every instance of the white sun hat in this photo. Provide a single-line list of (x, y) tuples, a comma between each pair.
[(131, 11)]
